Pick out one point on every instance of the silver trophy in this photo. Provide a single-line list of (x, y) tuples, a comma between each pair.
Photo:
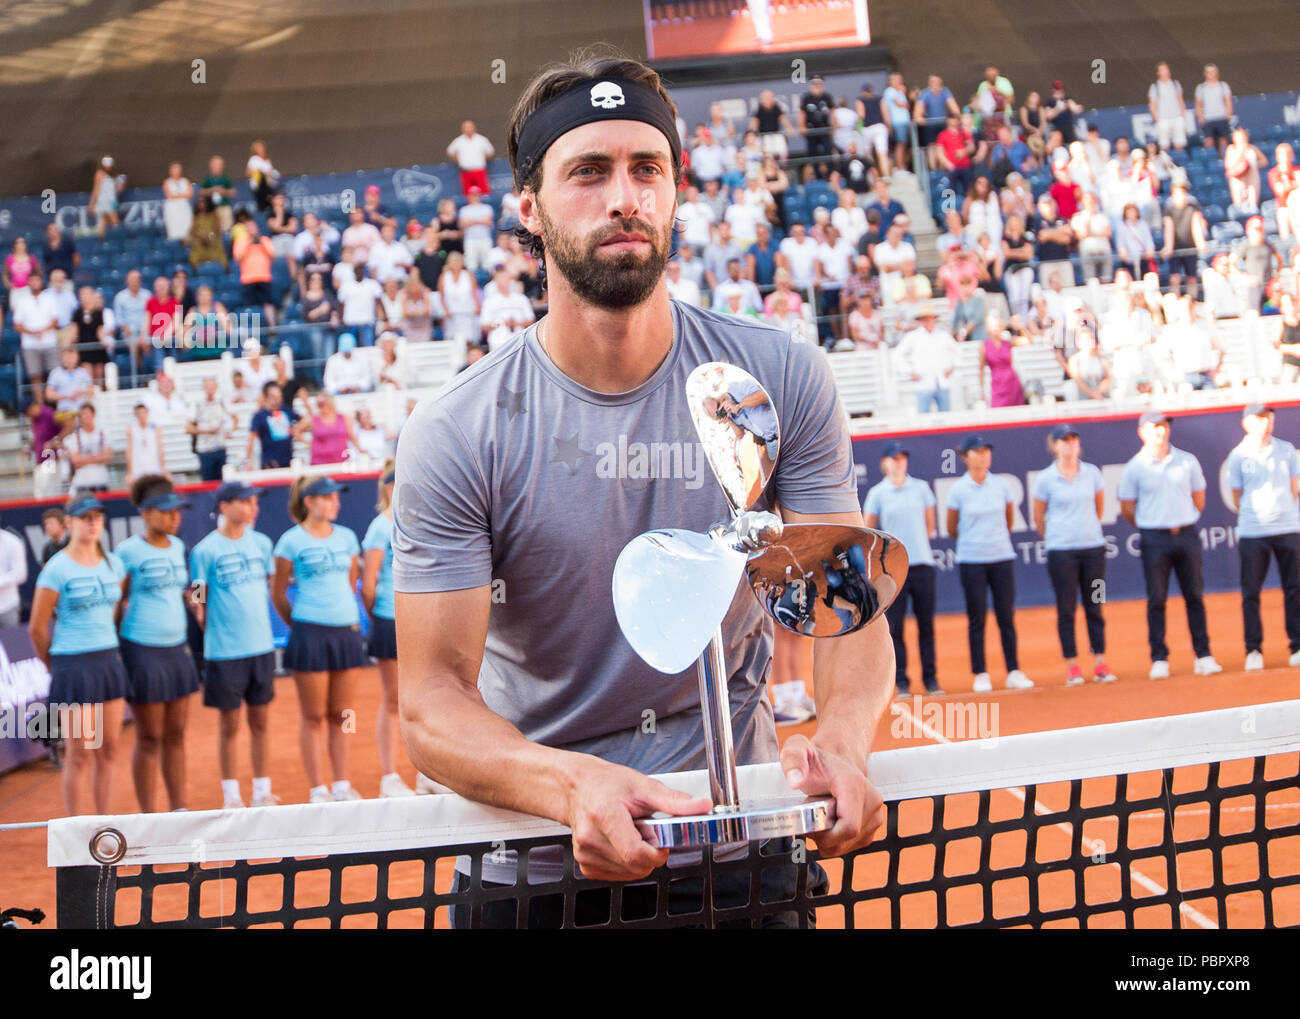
[(673, 587)]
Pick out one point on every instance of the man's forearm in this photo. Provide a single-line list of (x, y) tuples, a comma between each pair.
[(853, 678)]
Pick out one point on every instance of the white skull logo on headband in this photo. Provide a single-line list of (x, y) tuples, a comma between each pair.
[(607, 95)]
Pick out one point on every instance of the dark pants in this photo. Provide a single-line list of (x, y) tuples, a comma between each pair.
[(210, 464), (919, 587), (1081, 572), (592, 906), (1163, 551), (977, 579), (1254, 568)]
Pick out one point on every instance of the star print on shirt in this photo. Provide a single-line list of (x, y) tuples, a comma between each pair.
[(512, 403), (569, 452)]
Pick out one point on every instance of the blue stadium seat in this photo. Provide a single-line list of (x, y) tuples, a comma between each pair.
[(1214, 214)]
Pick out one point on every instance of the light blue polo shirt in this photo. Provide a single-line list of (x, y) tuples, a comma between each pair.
[(1264, 478), (982, 535), (88, 597), (1072, 520), (1163, 489), (900, 510), (380, 535), (320, 569), (155, 600), (237, 616)]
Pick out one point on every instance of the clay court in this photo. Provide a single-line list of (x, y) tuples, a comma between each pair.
[(32, 793)]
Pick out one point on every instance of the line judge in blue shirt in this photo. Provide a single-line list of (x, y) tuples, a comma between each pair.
[(1066, 501), (904, 506), (1265, 479), (1162, 493), (981, 511)]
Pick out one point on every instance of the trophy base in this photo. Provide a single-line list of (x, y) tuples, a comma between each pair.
[(743, 824)]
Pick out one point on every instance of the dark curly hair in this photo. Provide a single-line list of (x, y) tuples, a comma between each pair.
[(148, 485)]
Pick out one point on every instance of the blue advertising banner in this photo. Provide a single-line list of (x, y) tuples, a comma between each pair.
[(24, 687)]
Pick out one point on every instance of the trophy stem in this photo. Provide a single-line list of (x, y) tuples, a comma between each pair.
[(718, 746)]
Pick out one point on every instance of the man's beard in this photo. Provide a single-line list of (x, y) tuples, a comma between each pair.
[(622, 281)]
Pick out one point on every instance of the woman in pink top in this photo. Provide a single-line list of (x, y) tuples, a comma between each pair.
[(330, 432), (1005, 389), (18, 266)]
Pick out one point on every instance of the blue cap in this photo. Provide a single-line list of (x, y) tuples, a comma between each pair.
[(165, 501), (1064, 432), (347, 342), (974, 442), (894, 448), (82, 505), (1255, 410), (236, 490), (1151, 417), (323, 486)]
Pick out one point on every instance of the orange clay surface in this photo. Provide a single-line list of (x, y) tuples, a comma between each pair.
[(32, 793)]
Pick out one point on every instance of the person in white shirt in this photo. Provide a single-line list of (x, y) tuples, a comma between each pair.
[(372, 440), (346, 371), (1168, 109), (797, 254), (835, 257), (1220, 295), (1190, 346), (744, 219), (13, 574), (708, 158), (505, 310), (36, 317), (849, 218), (358, 297), (89, 453), (476, 219), (65, 300), (312, 227), (392, 368), (144, 446), (70, 383), (680, 288), (256, 368), (733, 282), (697, 220), (471, 151), (360, 235), (929, 356), (166, 406), (894, 257), (1214, 109), (345, 269), (390, 259)]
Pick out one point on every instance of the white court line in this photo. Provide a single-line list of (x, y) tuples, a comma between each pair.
[(1152, 886)]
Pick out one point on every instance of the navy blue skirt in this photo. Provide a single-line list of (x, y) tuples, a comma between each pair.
[(90, 678), (383, 638), (159, 674), (316, 648)]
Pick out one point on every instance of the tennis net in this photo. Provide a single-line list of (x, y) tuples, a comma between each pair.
[(1189, 821)]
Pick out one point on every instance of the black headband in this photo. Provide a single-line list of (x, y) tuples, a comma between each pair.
[(587, 101)]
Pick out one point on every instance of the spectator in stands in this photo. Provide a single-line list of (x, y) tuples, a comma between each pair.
[(981, 510), (372, 440), (94, 331), (359, 298), (19, 265), (360, 236), (1191, 347), (54, 524), (206, 327), (1214, 109), (982, 212), (1065, 192), (392, 369), (389, 309), (212, 427), (476, 220), (129, 311), (679, 287), (815, 123), (1288, 341), (896, 106), (178, 203), (162, 327), (1220, 295), (697, 218), (182, 292), (760, 258), (933, 108), (320, 313), (36, 317), (1184, 238), (461, 300), (735, 282), (473, 354), (166, 406), (861, 281), (204, 237), (430, 259), (255, 366), (1088, 368), (144, 447), (952, 152), (970, 311), (732, 302), (1008, 156), (471, 151), (418, 309), (692, 267), (1061, 113), (797, 256), (1162, 494), (1283, 181), (315, 258), (65, 300), (844, 126), (988, 264), (784, 284), (219, 189), (347, 372), (852, 171), (708, 157), (254, 254), (1168, 109), (1053, 241), (929, 356), (720, 250), (1032, 118), (104, 191), (451, 238), (272, 426), (1134, 243), (832, 267), (955, 262), (866, 329), (769, 120), (1005, 388), (1092, 232), (887, 206), (89, 453), (331, 432), (1144, 188), (282, 228), (905, 506), (743, 218), (894, 258), (1264, 478), (263, 178), (780, 316), (1259, 263), (60, 250), (1242, 162), (374, 210), (46, 431), (504, 311), (1017, 268), (69, 385)]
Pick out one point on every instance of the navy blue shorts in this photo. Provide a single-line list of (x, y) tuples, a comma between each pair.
[(316, 648), (383, 638), (158, 674), (90, 678), (230, 682)]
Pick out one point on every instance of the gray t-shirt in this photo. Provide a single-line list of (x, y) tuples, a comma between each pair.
[(517, 476)]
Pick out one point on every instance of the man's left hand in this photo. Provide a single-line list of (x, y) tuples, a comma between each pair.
[(816, 771)]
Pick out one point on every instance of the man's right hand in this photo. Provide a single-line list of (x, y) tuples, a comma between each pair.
[(604, 801)]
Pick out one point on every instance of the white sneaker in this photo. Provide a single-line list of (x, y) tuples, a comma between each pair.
[(269, 800), (1159, 670), (232, 802), (1294, 660), (1207, 666), (1017, 680), (425, 786), (392, 785), (1254, 661), (983, 684), (349, 794), (321, 796)]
